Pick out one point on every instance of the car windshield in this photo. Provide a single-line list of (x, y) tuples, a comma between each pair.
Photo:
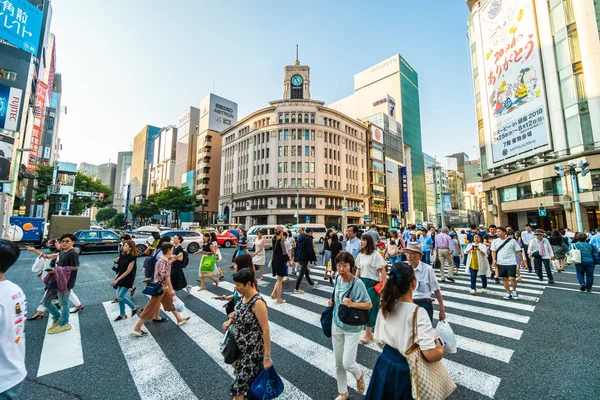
[(254, 230)]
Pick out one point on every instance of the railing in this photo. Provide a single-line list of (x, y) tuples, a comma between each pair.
[(240, 209), (262, 206), (310, 206), (330, 206), (253, 207)]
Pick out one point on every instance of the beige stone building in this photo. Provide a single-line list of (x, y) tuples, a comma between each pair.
[(295, 160)]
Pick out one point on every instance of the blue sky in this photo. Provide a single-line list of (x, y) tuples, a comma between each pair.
[(130, 63)]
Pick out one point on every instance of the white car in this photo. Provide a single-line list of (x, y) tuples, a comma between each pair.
[(192, 240)]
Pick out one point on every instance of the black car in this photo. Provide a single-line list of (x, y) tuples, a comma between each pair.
[(92, 240)]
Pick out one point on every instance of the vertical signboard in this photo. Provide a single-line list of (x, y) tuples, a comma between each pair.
[(217, 113), (38, 117), (21, 24), (10, 107), (404, 190), (514, 87), (7, 145)]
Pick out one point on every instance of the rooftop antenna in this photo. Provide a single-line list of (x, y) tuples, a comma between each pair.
[(297, 61)]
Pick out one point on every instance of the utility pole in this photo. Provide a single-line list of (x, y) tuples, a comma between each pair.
[(571, 169), (297, 205)]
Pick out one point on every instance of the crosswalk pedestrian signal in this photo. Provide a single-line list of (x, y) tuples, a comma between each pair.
[(542, 211)]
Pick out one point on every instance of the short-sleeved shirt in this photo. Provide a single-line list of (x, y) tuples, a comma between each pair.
[(69, 259), (177, 251), (124, 261), (426, 242), (162, 270), (242, 240), (506, 256), (370, 265), (358, 294), (426, 282), (374, 235), (353, 246), (396, 329)]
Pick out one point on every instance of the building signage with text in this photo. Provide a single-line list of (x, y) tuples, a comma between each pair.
[(217, 113), (376, 134), (21, 24), (514, 84), (10, 107), (36, 133), (404, 190)]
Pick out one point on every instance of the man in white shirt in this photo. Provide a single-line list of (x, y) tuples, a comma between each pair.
[(426, 281), (504, 253), (353, 243), (13, 314), (526, 237), (541, 253)]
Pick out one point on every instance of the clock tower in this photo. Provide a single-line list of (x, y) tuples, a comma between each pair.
[(296, 81)]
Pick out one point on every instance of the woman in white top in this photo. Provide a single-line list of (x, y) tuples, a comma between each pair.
[(258, 258), (370, 268), (393, 332)]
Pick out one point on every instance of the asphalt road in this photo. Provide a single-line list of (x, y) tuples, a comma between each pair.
[(544, 345)]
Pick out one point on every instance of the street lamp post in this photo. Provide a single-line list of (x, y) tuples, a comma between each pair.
[(571, 169)]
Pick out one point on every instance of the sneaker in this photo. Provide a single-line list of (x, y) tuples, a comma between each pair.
[(316, 285), (582, 288), (451, 279), (443, 279), (59, 329), (515, 295), (54, 324), (484, 290), (507, 297), (551, 282), (298, 291), (287, 278), (589, 290), (472, 292), (183, 321)]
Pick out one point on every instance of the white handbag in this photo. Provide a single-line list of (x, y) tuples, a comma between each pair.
[(38, 265), (574, 255)]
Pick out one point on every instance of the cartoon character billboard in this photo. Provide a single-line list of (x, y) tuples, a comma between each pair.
[(514, 87)]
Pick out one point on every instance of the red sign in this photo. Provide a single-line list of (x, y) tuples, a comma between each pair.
[(38, 119)]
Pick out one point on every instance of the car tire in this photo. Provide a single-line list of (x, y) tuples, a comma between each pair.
[(227, 244), (141, 249), (78, 249), (193, 247)]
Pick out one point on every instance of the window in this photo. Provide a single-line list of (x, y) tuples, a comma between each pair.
[(107, 235), (286, 134), (306, 182), (287, 118), (312, 183), (293, 181), (267, 170), (306, 167), (279, 183), (306, 118), (312, 167), (324, 120), (306, 134), (267, 152), (12, 76), (299, 150), (299, 166), (312, 151), (326, 168), (299, 182), (262, 153), (306, 151), (293, 150), (281, 118), (280, 151), (285, 151), (293, 118), (262, 169), (293, 134), (285, 167), (293, 167), (280, 135), (280, 167), (285, 182), (312, 135), (326, 153), (89, 235), (312, 118)]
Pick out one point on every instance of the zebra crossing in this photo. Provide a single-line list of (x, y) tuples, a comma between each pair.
[(487, 329)]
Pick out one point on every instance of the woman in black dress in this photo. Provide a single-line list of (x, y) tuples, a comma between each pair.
[(335, 246), (126, 271), (279, 265), (177, 276)]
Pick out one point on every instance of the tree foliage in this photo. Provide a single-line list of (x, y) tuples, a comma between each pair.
[(117, 221), (105, 214), (143, 210), (43, 176), (86, 183), (175, 199)]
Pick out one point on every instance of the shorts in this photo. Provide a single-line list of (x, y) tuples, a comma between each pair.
[(507, 271)]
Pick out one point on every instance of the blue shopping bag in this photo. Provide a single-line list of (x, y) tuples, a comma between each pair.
[(267, 385)]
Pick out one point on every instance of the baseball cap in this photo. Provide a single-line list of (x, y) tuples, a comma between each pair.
[(308, 230)]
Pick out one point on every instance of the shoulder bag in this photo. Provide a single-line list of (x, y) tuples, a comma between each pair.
[(231, 351), (429, 380), (153, 289), (574, 255), (327, 315), (393, 248), (352, 316)]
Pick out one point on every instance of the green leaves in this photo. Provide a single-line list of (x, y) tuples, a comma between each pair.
[(106, 214), (86, 183), (172, 198), (43, 176)]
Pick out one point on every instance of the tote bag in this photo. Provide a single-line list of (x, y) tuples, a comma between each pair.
[(574, 255)]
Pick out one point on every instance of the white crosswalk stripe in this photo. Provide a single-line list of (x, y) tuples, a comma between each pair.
[(486, 328)]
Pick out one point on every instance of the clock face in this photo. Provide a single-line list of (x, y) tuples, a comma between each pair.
[(296, 80)]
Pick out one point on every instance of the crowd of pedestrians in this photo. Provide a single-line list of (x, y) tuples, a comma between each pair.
[(388, 280)]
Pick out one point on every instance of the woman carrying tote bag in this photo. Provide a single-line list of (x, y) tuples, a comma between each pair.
[(403, 327)]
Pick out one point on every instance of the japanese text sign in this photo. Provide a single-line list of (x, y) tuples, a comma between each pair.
[(38, 118), (21, 24)]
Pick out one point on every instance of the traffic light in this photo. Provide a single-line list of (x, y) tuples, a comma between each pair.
[(542, 211), (560, 170), (583, 164)]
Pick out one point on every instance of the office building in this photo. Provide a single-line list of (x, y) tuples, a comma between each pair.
[(392, 87), (535, 67), (143, 154), (88, 169), (107, 173), (61, 189), (162, 168), (185, 153), (121, 188), (295, 161)]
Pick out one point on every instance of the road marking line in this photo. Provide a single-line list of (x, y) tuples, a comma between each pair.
[(492, 293), (462, 282), (532, 283), (483, 326), (490, 312), (147, 363), (208, 338), (62, 350), (313, 353), (472, 379), (570, 290), (480, 299)]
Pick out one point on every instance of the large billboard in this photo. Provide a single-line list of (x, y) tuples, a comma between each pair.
[(36, 133), (514, 82), (21, 24), (376, 134), (7, 145), (10, 107), (217, 113)]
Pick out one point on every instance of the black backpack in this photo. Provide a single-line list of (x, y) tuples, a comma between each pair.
[(149, 264), (186, 259)]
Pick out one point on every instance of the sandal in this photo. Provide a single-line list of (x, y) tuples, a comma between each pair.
[(77, 309), (120, 317), (280, 301), (360, 384), (116, 300), (132, 291), (37, 315), (342, 396), (135, 310)]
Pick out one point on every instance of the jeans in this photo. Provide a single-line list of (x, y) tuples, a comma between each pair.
[(13, 392), (427, 305), (326, 258), (457, 262), (121, 292), (538, 261), (303, 272), (426, 258), (474, 279), (63, 314), (585, 274), (395, 259), (345, 347), (72, 298)]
